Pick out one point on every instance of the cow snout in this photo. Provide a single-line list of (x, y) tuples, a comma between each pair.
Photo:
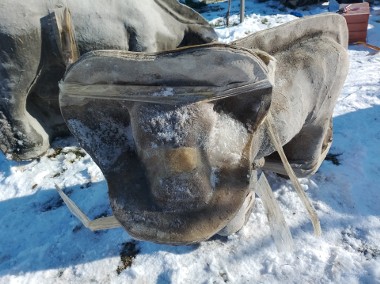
[(182, 160), (179, 180)]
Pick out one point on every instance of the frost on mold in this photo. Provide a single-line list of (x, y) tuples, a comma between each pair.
[(108, 140), (165, 92), (167, 126), (226, 141)]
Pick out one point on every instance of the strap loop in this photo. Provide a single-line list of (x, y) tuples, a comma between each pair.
[(296, 184), (103, 223)]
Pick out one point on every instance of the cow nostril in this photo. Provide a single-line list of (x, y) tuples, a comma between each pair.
[(182, 192), (182, 160), (179, 180)]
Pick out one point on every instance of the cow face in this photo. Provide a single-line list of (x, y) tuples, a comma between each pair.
[(173, 135), (184, 150)]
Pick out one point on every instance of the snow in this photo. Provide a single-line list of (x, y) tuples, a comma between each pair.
[(167, 130), (165, 92), (41, 242), (226, 142)]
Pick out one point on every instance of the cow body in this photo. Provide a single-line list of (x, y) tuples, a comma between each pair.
[(179, 134), (31, 65), (311, 67)]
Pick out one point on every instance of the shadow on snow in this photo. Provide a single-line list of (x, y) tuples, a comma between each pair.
[(37, 232)]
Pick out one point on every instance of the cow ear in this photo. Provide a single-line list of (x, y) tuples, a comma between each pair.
[(251, 107)]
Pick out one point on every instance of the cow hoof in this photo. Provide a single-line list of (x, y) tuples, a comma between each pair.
[(22, 141)]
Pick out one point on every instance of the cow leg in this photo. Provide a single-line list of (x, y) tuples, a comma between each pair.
[(31, 66), (306, 151), (308, 148), (21, 135)]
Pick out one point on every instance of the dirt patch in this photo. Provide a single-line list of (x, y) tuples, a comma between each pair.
[(334, 158), (128, 253)]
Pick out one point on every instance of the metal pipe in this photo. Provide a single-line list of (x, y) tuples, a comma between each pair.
[(242, 9)]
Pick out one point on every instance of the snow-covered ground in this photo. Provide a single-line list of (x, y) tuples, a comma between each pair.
[(41, 242)]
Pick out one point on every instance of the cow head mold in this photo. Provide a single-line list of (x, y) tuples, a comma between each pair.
[(172, 134)]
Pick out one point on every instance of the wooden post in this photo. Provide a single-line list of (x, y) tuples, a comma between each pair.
[(63, 30), (242, 9)]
